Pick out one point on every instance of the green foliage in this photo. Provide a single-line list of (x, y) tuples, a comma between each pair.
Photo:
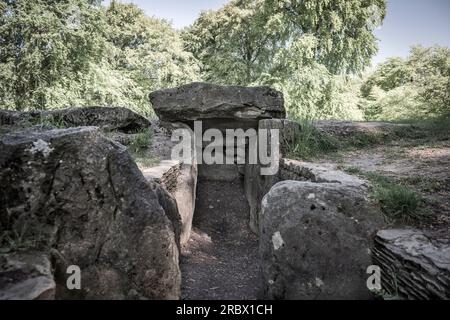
[(389, 75), (233, 44), (302, 48), (343, 29), (417, 87), (310, 90), (311, 142), (147, 52), (432, 77), (399, 103), (237, 43), (57, 54), (44, 46), (398, 202), (141, 141)]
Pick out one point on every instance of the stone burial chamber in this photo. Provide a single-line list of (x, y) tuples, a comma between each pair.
[(329, 260), (74, 196), (221, 108)]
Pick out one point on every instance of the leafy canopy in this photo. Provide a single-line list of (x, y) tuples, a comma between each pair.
[(238, 43), (302, 47), (415, 87), (56, 54)]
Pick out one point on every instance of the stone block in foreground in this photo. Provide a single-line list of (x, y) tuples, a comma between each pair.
[(80, 197), (315, 241)]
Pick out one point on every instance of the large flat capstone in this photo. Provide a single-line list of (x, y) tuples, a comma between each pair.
[(197, 101)]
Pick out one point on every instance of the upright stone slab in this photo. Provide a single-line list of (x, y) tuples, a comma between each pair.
[(178, 177), (256, 185)]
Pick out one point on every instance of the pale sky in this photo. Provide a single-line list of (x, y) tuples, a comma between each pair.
[(408, 22)]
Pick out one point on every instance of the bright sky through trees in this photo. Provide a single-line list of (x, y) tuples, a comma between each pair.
[(408, 22)]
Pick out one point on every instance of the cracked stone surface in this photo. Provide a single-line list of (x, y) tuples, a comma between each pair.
[(316, 247), (201, 101), (88, 205)]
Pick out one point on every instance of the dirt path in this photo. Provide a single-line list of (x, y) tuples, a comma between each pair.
[(423, 167), (220, 259)]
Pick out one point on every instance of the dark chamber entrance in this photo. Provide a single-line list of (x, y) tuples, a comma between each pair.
[(220, 259)]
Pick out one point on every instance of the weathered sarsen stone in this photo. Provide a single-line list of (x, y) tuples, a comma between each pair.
[(219, 107), (107, 118), (256, 185), (315, 241), (179, 178), (201, 101), (307, 171), (80, 197), (26, 276), (415, 264)]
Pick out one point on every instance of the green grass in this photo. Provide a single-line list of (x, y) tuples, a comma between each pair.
[(353, 170), (311, 142), (425, 184), (435, 128), (141, 141), (363, 140), (45, 122), (397, 201)]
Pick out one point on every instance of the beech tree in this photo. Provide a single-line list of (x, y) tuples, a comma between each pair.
[(56, 54), (418, 86), (308, 49), (238, 42)]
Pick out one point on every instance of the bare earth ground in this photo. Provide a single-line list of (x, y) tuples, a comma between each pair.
[(422, 165), (220, 259)]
